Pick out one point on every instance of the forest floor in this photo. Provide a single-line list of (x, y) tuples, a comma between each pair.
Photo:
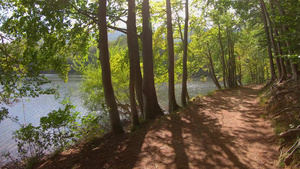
[(225, 130)]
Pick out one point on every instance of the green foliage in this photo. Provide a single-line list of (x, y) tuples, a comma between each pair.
[(54, 131), (58, 126), (91, 86), (211, 93), (59, 129), (28, 139), (90, 125), (37, 36), (160, 55), (16, 86), (294, 58), (3, 113)]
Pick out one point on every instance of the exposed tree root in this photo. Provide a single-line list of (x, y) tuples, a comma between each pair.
[(287, 157), (291, 132), (283, 109)]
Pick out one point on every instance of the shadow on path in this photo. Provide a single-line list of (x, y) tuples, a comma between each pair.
[(221, 131)]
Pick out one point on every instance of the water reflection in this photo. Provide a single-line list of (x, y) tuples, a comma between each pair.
[(195, 87)]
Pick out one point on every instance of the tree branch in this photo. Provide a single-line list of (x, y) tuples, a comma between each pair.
[(117, 29), (118, 18), (179, 26), (86, 13)]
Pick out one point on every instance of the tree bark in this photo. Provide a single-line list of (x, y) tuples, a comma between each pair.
[(294, 70), (222, 56), (136, 57), (231, 61), (173, 106), (229, 67), (133, 51), (151, 106), (240, 71), (275, 49), (262, 6), (116, 126), (281, 60), (212, 69), (184, 92), (138, 76), (294, 66), (234, 63)]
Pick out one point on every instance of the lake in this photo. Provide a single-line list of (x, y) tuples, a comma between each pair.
[(30, 110)]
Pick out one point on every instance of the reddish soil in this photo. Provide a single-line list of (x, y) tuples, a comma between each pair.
[(225, 130)]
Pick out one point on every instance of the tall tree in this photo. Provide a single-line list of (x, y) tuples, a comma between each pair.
[(231, 60), (173, 106), (274, 43), (133, 51), (222, 55), (212, 68), (285, 30), (137, 67), (151, 106), (277, 47), (184, 91), (263, 12), (115, 122)]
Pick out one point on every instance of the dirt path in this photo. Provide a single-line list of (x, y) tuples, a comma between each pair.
[(222, 131)]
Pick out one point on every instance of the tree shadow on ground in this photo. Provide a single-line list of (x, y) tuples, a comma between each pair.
[(109, 151), (213, 143), (200, 136), (181, 158)]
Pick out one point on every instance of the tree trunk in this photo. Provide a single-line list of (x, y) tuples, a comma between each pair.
[(136, 54), (151, 106), (212, 69), (132, 56), (138, 76), (234, 64), (275, 49), (173, 106), (281, 60), (229, 67), (184, 92), (222, 56), (262, 6), (252, 76), (294, 67), (231, 61), (294, 70), (240, 71), (116, 126)]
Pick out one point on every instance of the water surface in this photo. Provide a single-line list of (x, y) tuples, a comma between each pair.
[(30, 110)]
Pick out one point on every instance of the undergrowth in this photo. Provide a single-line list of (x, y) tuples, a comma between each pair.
[(281, 101), (57, 131)]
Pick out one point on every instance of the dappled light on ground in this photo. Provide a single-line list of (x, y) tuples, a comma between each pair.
[(221, 131)]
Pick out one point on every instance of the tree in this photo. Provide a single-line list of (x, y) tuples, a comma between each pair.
[(173, 106), (285, 23), (24, 55), (262, 6), (133, 51), (212, 69), (223, 55), (151, 106), (232, 80), (63, 29), (114, 117), (184, 91), (274, 43)]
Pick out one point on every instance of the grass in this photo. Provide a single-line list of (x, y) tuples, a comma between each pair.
[(211, 93)]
